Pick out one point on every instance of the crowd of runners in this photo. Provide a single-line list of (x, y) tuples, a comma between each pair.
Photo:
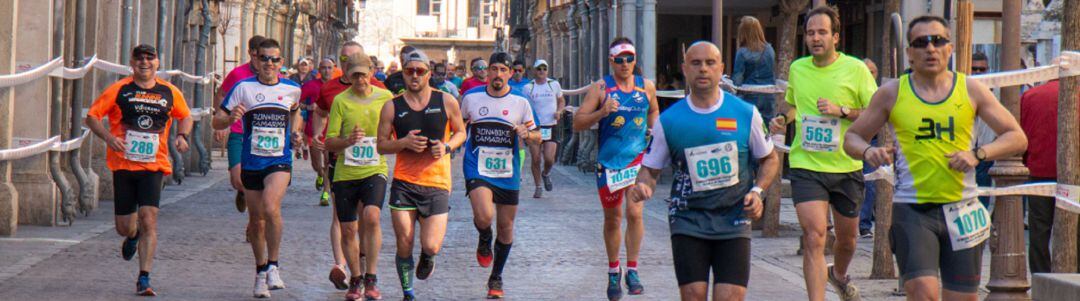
[(717, 145)]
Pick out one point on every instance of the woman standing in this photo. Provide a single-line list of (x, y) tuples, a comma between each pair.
[(754, 63)]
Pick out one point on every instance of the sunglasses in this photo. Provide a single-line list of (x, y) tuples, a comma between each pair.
[(343, 58), (145, 58), (519, 70), (272, 59), (978, 69), (479, 68), (541, 69), (923, 41), (415, 71), (623, 59)]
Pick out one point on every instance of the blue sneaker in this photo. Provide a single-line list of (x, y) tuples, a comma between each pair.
[(614, 290), (633, 283), (130, 246), (408, 296), (143, 288)]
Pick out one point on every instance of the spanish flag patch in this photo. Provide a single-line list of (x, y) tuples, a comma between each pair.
[(726, 124)]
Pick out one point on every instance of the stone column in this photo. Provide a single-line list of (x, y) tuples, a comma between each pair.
[(572, 34), (257, 18), (243, 30), (718, 22), (33, 47), (9, 196), (628, 19), (147, 20), (647, 50), (109, 33)]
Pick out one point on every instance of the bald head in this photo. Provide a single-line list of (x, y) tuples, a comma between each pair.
[(872, 66), (703, 67)]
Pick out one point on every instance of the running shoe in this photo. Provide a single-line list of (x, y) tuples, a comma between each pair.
[(143, 288), (614, 290), (273, 278), (356, 290), (338, 277), (324, 199), (483, 253), (130, 246), (547, 183), (845, 289), (262, 290), (408, 296), (538, 193), (425, 267), (633, 283), (241, 204), (866, 233), (318, 182), (495, 290), (371, 289)]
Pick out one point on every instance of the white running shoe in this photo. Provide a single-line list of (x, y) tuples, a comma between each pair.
[(261, 288), (273, 278)]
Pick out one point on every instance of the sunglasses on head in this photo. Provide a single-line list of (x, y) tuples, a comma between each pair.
[(623, 59), (272, 59), (923, 41), (415, 71)]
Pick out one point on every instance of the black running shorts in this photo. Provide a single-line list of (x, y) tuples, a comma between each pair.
[(134, 189), (498, 195), (920, 241), (844, 191), (729, 260), (348, 195), (427, 201), (256, 179)]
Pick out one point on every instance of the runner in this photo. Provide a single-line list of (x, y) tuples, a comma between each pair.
[(360, 174), (715, 135), (479, 78), (933, 111), (625, 107), (546, 98), (269, 108), (309, 94), (827, 91), (330, 90), (139, 109), (431, 127), (498, 116), (235, 133), (395, 82), (520, 79)]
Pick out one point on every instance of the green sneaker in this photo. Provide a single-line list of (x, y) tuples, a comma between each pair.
[(324, 199)]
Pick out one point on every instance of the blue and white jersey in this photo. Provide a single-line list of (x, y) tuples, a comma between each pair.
[(492, 147), (622, 134), (711, 150), (266, 121)]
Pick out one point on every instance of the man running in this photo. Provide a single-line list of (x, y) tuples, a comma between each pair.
[(139, 109), (235, 133), (360, 174), (479, 78), (714, 137), (827, 90), (329, 91), (520, 79), (625, 107), (498, 117), (309, 93), (422, 127), (269, 108), (546, 98), (933, 111)]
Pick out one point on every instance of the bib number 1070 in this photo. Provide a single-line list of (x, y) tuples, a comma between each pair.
[(968, 223)]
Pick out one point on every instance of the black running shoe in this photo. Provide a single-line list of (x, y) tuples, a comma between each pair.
[(425, 267), (547, 183), (130, 246), (495, 290)]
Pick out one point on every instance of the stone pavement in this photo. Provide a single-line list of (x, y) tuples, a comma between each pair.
[(557, 255)]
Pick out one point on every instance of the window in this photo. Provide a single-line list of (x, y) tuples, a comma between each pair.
[(436, 7), (423, 7)]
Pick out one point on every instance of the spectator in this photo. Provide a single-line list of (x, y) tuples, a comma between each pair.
[(866, 212), (754, 63), (983, 134)]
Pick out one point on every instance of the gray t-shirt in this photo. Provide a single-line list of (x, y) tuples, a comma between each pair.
[(544, 99)]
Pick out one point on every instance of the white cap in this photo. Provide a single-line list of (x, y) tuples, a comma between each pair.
[(539, 63)]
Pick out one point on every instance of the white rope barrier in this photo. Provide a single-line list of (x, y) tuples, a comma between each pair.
[(72, 144), (200, 113), (53, 144), (55, 68)]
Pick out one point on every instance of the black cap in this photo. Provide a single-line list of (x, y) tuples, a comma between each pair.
[(143, 49), (501, 58)]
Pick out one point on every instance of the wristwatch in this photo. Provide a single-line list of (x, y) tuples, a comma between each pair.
[(448, 149), (757, 189), (843, 112), (976, 152), (185, 136)]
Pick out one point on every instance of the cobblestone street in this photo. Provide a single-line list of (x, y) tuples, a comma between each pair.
[(557, 255)]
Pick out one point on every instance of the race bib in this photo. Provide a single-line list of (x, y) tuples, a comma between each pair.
[(495, 162), (362, 153), (968, 223), (267, 141), (545, 134), (713, 166), (142, 146), (621, 178), (821, 133)]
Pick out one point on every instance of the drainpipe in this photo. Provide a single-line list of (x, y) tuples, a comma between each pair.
[(200, 68), (86, 188), (67, 194), (125, 34), (176, 156)]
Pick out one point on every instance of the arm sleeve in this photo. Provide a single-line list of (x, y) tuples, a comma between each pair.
[(333, 124), (659, 156), (760, 144)]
